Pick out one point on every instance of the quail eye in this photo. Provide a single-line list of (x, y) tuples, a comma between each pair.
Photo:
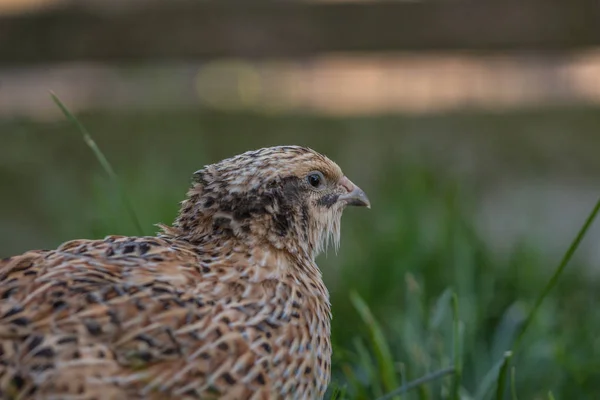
[(315, 179)]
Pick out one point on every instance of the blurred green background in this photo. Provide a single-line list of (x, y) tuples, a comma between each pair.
[(418, 241), (473, 193)]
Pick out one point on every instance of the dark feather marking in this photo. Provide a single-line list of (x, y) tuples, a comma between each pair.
[(35, 342), (46, 352), (13, 311), (328, 200), (22, 321)]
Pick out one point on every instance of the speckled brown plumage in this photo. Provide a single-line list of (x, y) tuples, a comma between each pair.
[(225, 303)]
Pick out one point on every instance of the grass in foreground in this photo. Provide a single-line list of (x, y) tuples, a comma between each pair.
[(437, 298)]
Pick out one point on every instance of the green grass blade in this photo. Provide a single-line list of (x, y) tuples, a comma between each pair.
[(441, 308), (558, 272), (358, 389), (380, 345), (87, 138), (418, 382), (368, 366), (338, 393), (513, 386), (502, 376), (457, 348), (550, 395), (403, 374), (490, 379)]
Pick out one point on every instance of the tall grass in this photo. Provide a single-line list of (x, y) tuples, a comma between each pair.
[(493, 338), (106, 166), (497, 376)]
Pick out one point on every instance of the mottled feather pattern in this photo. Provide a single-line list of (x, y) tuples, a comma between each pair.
[(226, 303)]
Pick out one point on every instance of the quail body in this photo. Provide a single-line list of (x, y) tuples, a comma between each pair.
[(227, 302)]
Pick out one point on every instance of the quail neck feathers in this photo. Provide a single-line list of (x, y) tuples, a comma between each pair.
[(225, 303)]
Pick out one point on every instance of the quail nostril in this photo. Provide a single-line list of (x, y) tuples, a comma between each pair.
[(346, 184)]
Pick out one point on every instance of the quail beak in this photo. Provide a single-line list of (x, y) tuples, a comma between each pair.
[(354, 195)]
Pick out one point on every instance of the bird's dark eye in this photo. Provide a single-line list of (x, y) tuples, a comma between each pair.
[(315, 179)]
